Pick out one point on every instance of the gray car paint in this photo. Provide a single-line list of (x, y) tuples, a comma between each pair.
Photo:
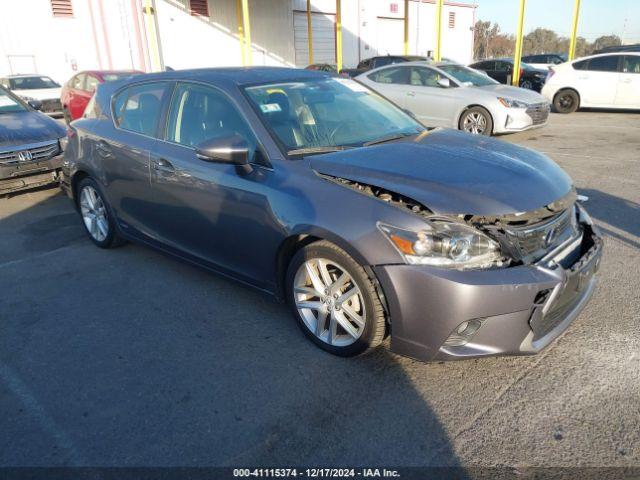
[(245, 225)]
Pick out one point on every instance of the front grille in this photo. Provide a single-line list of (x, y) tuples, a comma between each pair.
[(533, 240), (39, 152), (52, 105), (539, 112)]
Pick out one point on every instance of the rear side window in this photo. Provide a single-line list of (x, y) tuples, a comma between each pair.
[(137, 108), (604, 64), (581, 65), (425, 77), (484, 65), (397, 75)]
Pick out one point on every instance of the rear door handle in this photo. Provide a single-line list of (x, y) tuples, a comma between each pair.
[(162, 165), (411, 94)]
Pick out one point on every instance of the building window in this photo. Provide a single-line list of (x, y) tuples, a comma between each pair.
[(452, 19), (62, 8), (199, 8)]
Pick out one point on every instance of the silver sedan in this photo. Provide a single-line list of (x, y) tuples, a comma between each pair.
[(452, 95)]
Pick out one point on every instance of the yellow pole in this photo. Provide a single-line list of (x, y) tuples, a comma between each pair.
[(338, 35), (438, 53), (309, 32), (148, 9), (406, 27), (574, 30), (241, 31), (515, 77), (247, 31)]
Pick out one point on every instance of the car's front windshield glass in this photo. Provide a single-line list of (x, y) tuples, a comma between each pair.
[(32, 83), (9, 104), (328, 113), (466, 75)]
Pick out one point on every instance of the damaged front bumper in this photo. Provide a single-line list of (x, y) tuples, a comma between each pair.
[(439, 314), (16, 177)]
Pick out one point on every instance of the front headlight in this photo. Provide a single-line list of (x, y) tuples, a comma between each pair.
[(512, 103), (445, 244)]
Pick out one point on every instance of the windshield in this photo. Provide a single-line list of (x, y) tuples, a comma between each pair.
[(328, 112), (8, 104), (467, 75), (31, 83)]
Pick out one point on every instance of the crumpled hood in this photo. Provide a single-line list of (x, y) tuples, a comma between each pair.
[(17, 129), (451, 172)]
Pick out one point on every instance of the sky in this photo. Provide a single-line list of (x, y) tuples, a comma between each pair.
[(597, 17)]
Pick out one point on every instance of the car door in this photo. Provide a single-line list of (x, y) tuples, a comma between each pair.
[(205, 210), (628, 93), (502, 72), (598, 83), (432, 104), (392, 82), (124, 153)]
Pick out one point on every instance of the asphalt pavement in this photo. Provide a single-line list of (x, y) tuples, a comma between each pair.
[(127, 357)]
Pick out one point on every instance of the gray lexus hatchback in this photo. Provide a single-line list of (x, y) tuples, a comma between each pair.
[(323, 193)]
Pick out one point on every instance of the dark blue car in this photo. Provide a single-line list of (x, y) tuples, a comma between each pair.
[(317, 190), (31, 145)]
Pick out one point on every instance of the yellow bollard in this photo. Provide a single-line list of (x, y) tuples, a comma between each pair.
[(517, 56), (574, 30)]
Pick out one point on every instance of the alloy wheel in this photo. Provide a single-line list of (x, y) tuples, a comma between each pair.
[(474, 122), (566, 101), (329, 302), (94, 213), (527, 84)]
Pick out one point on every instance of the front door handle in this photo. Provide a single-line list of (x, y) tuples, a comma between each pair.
[(411, 94), (162, 165)]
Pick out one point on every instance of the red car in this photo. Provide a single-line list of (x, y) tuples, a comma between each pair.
[(77, 92)]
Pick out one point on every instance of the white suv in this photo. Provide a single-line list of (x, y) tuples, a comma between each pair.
[(610, 80)]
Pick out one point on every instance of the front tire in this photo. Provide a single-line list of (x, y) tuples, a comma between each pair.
[(477, 121), (97, 219), (566, 101), (334, 300)]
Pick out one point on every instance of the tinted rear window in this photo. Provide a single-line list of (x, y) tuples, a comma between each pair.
[(137, 108), (604, 64)]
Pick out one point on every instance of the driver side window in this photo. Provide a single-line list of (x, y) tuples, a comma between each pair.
[(199, 113), (425, 77)]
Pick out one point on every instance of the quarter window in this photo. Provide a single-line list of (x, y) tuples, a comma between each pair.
[(199, 113), (398, 75), (137, 108)]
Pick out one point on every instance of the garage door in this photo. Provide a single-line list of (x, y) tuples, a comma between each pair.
[(390, 36), (324, 38)]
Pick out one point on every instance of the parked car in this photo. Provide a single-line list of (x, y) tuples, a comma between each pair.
[(323, 67), (317, 190), (377, 62), (77, 92), (501, 69), (36, 87), (610, 80), (543, 60), (30, 145), (635, 47), (451, 95)]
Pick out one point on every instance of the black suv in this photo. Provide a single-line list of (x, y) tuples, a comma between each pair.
[(375, 62), (501, 70)]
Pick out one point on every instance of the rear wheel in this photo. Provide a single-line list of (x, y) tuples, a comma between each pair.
[(528, 84), (96, 215), (566, 101), (334, 300), (477, 121)]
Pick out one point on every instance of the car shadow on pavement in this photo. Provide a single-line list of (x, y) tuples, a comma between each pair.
[(617, 212), (127, 357)]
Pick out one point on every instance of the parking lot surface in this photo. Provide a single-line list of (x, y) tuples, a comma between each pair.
[(127, 357)]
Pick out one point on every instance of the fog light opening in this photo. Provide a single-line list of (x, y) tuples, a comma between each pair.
[(463, 333)]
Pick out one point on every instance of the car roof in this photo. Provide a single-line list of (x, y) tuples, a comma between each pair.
[(605, 54), (25, 75)]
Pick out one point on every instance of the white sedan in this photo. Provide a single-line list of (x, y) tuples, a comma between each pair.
[(36, 87), (447, 94), (610, 80)]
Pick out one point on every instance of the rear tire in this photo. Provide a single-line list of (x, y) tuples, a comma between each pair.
[(97, 217), (334, 300), (566, 101), (477, 121)]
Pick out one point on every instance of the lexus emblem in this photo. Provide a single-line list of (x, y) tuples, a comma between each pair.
[(25, 156)]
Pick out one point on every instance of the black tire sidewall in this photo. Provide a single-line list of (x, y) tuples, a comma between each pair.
[(112, 235), (361, 279), (489, 130), (560, 94)]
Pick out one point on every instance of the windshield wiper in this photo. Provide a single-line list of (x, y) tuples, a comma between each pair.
[(388, 138), (314, 150)]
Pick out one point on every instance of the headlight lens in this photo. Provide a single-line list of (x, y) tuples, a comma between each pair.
[(512, 103), (445, 244)]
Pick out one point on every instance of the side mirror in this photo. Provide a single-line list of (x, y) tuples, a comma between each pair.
[(444, 82), (35, 104), (233, 150)]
